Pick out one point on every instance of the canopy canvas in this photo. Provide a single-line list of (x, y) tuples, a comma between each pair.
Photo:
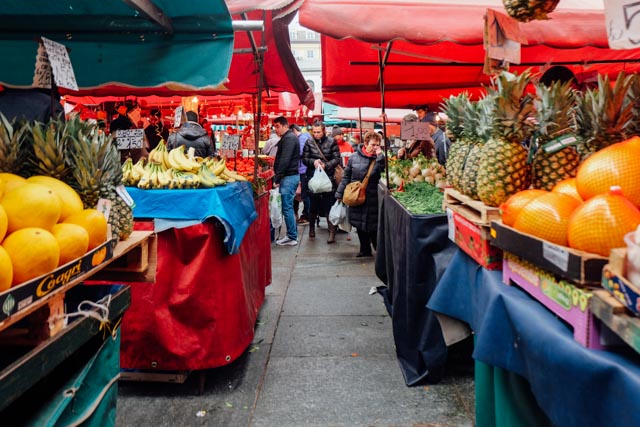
[(437, 47)]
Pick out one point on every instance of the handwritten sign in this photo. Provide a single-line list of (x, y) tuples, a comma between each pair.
[(230, 142), (60, 64), (623, 23), (42, 73), (415, 130), (178, 117), (129, 139), (229, 154)]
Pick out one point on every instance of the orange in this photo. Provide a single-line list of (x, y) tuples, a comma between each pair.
[(512, 206), (31, 205), (601, 223), (4, 223), (11, 181), (73, 240), (547, 217), (33, 252), (92, 221), (6, 270), (611, 166), (71, 202), (567, 186)]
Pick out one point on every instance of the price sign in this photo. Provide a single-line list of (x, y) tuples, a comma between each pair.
[(229, 154), (60, 64), (42, 73), (623, 23), (177, 117), (418, 131), (230, 142), (129, 139)]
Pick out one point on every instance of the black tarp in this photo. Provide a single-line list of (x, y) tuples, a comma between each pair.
[(413, 252)]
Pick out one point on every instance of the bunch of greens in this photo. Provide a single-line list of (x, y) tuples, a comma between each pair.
[(420, 198)]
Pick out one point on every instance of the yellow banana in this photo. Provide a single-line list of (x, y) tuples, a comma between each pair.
[(234, 175), (173, 162)]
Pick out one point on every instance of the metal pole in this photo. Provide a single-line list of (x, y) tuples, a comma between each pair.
[(381, 64), (360, 124)]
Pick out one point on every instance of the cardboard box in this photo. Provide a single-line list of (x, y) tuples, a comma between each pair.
[(576, 266), (24, 296), (615, 282), (475, 240)]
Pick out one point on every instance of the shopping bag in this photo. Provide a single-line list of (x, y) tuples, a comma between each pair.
[(345, 225), (338, 213), (275, 207), (320, 183), (354, 194)]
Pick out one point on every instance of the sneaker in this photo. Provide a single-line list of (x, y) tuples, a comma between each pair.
[(286, 241)]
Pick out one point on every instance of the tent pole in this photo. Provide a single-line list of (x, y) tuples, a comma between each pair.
[(381, 63), (360, 124)]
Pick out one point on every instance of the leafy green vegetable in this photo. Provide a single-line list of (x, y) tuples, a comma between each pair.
[(420, 198)]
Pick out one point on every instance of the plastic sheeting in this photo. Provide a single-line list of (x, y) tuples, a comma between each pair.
[(413, 252), (201, 311), (573, 385)]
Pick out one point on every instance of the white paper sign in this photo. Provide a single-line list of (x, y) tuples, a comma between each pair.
[(61, 64), (415, 130), (42, 73), (230, 142), (129, 139), (555, 254), (623, 23), (177, 117)]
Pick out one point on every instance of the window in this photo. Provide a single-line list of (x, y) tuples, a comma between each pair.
[(310, 35), (310, 54), (292, 35)]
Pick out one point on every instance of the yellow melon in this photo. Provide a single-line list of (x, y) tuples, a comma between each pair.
[(11, 181), (92, 221), (4, 222), (73, 240), (6, 270), (33, 252), (71, 202), (31, 205)]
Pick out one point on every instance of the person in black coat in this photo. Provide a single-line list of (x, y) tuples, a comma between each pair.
[(365, 217), (191, 134), (156, 130), (322, 152)]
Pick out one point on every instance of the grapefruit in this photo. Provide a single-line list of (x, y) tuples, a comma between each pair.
[(73, 240), (514, 204), (567, 186), (31, 205), (92, 221), (71, 202), (547, 217), (33, 252)]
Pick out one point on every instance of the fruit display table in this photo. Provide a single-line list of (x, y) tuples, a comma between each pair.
[(209, 275), (413, 252), (531, 367)]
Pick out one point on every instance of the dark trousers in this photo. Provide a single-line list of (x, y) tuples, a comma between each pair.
[(367, 240), (304, 197)]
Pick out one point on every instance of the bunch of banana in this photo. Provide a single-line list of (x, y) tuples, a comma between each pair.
[(179, 161), (219, 168), (183, 179), (131, 174), (155, 176), (160, 155), (208, 178)]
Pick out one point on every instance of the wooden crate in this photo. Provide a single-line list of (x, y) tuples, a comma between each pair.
[(613, 314), (474, 210), (614, 280), (138, 264)]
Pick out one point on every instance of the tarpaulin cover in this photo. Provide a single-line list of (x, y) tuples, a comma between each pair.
[(575, 386), (231, 204), (201, 311), (115, 47), (438, 49), (413, 252)]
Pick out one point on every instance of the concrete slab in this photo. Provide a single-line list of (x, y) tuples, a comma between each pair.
[(333, 336), (280, 277), (267, 321), (351, 391)]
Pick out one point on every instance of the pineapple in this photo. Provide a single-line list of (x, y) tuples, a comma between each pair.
[(605, 115), (97, 172), (48, 146), (527, 10), (455, 108), (634, 97), (478, 129), (555, 113), (12, 143), (503, 168)]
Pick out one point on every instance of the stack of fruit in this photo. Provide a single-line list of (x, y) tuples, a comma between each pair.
[(43, 225), (176, 169)]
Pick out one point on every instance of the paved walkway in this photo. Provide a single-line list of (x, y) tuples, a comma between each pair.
[(323, 355)]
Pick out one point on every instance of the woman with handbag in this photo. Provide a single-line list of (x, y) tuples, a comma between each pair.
[(321, 152), (363, 170)]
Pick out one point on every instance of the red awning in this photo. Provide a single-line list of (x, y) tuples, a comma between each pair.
[(437, 49)]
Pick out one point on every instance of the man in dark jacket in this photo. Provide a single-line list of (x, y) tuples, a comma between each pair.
[(287, 177), (440, 140), (191, 134), (155, 131)]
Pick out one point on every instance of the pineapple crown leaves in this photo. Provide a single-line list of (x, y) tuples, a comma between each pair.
[(12, 139), (555, 107), (454, 108), (513, 107), (49, 147), (634, 98)]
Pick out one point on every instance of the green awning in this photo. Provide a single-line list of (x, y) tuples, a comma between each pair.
[(114, 44)]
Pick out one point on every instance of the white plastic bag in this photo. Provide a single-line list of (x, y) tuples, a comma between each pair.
[(275, 207), (338, 213), (345, 225), (320, 183)]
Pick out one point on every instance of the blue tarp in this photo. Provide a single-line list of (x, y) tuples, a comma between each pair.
[(231, 204)]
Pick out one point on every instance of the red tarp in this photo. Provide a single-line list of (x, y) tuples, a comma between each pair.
[(438, 49), (201, 311)]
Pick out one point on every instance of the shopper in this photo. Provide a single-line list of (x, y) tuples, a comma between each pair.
[(365, 217), (322, 152), (191, 134), (412, 147), (303, 137), (271, 146), (155, 131), (440, 140), (287, 176)]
